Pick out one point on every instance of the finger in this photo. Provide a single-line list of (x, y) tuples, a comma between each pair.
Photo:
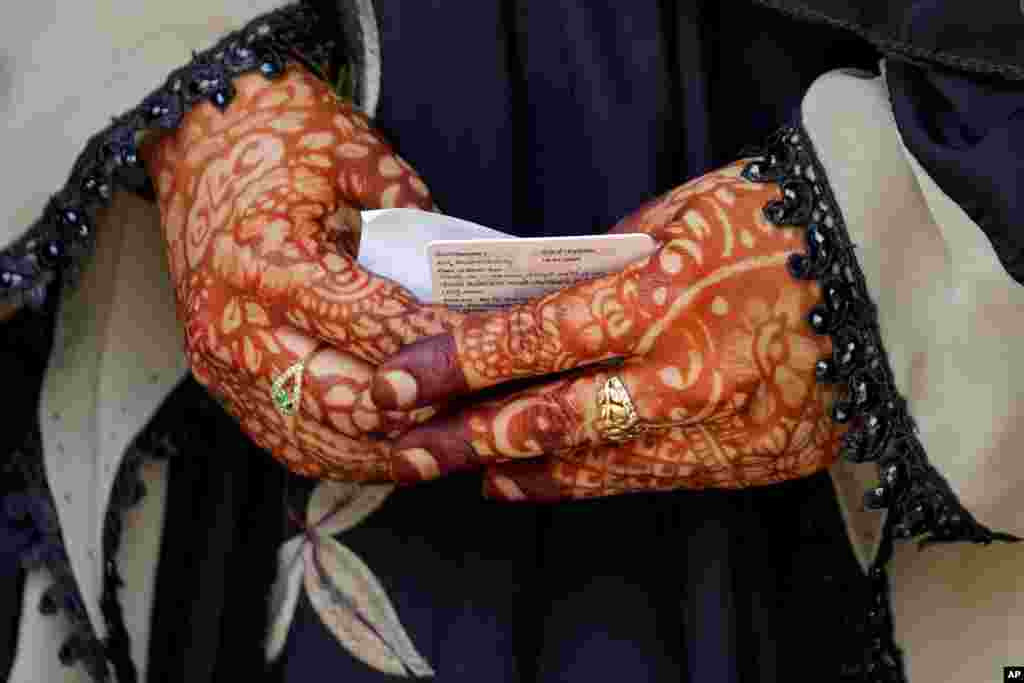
[(723, 451), (553, 417), (658, 462), (591, 472), (301, 444), (341, 302), (237, 353), (261, 195), (545, 480), (669, 215), (561, 416), (616, 316), (619, 315), (236, 332), (370, 175)]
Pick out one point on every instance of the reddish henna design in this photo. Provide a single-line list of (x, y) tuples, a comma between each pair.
[(259, 212), (714, 331)]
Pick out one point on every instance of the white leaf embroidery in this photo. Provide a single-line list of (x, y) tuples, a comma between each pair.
[(284, 596), (356, 609), (337, 506)]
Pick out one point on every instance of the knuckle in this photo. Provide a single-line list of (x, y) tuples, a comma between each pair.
[(560, 430), (443, 356), (525, 336)]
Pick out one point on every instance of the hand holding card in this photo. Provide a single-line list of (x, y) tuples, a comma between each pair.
[(717, 387)]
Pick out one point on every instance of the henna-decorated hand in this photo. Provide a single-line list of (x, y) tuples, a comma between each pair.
[(259, 211), (714, 335)]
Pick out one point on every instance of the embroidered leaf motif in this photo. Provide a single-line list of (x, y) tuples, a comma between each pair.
[(284, 596), (337, 506), (355, 608)]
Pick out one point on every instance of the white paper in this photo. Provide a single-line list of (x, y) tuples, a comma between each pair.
[(394, 244), (483, 274)]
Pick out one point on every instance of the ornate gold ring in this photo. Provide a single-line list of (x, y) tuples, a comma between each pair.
[(618, 419)]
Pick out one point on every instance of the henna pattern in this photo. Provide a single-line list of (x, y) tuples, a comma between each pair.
[(258, 207), (715, 333)]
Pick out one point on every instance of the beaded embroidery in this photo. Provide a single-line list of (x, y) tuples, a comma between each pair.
[(881, 429), (920, 501), (61, 240)]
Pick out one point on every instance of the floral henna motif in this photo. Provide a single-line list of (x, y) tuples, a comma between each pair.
[(260, 217), (715, 335)]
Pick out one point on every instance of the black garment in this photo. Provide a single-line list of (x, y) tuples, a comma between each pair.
[(969, 135), (980, 38), (224, 520), (23, 351), (557, 118)]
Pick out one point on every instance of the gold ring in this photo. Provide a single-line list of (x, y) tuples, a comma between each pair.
[(287, 401), (618, 419)]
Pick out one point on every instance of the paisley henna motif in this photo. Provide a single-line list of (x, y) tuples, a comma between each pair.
[(259, 217), (714, 332)]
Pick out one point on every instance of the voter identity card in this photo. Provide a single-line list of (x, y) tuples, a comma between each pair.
[(481, 274)]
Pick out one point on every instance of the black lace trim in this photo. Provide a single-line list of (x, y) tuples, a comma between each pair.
[(55, 250), (920, 501), (33, 507), (873, 656), (60, 242)]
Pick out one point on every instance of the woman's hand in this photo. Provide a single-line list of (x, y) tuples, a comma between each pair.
[(259, 207), (715, 337)]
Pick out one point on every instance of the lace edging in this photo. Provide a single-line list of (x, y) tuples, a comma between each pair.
[(33, 505), (60, 242), (921, 502)]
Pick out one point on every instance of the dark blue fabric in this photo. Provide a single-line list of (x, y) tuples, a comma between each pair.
[(596, 126), (24, 349), (968, 134), (456, 576), (14, 539), (447, 102)]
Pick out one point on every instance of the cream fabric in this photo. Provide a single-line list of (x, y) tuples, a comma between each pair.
[(117, 354), (68, 66), (958, 609)]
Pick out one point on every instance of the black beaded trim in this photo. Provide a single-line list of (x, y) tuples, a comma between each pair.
[(59, 243), (920, 501), (873, 656), (33, 505)]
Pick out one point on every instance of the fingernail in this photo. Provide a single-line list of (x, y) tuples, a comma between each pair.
[(414, 464), (395, 389), (500, 487)]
